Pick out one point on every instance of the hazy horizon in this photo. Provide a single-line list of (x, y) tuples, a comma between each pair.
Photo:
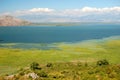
[(62, 11)]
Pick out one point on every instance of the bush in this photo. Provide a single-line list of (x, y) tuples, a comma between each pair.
[(102, 62), (34, 66), (79, 64), (86, 64), (49, 65), (21, 73), (42, 74)]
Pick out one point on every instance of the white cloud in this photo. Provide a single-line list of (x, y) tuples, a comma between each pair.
[(89, 9), (41, 10), (73, 15), (93, 10)]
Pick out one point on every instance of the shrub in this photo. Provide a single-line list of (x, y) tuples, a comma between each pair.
[(79, 64), (34, 66), (49, 65), (102, 62), (42, 74), (21, 73), (86, 64), (112, 75), (90, 72)]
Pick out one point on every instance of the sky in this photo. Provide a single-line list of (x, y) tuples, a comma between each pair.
[(62, 10)]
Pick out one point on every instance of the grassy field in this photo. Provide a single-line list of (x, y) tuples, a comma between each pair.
[(11, 59)]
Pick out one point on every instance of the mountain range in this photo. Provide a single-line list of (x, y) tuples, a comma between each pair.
[(12, 21)]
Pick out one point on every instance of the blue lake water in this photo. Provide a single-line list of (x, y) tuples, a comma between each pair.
[(35, 34)]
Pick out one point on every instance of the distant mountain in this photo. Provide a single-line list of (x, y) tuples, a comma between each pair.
[(12, 21)]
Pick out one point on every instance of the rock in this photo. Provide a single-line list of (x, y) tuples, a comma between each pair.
[(32, 75), (10, 77)]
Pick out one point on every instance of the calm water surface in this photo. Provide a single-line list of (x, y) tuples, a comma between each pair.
[(34, 34)]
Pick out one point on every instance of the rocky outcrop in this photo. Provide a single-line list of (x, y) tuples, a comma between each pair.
[(12, 21)]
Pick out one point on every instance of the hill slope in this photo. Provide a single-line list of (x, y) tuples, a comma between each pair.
[(12, 21)]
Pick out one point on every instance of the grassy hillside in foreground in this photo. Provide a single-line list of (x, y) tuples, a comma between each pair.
[(66, 71), (11, 60)]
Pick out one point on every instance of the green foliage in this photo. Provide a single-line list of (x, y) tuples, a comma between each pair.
[(49, 65), (72, 72), (42, 74), (86, 64), (34, 66), (102, 62), (21, 73)]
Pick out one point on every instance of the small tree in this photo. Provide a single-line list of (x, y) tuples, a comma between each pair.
[(34, 66), (102, 62)]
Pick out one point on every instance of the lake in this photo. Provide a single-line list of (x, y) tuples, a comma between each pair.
[(35, 34)]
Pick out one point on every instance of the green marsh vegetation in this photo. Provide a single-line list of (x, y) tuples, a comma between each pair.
[(75, 61)]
